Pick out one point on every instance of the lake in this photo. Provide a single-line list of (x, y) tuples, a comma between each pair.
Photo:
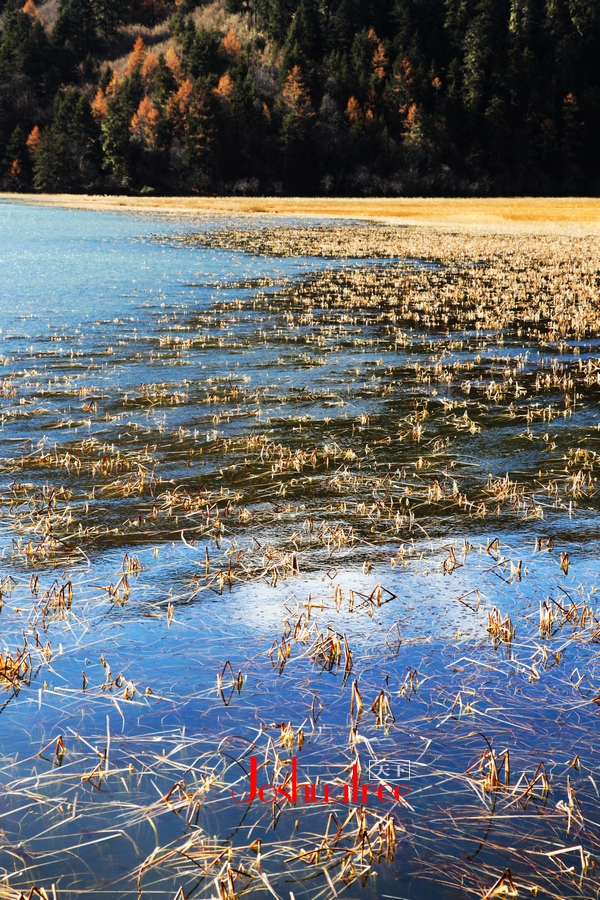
[(294, 520)]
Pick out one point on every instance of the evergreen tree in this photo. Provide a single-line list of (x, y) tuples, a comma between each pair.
[(75, 30), (68, 156), (115, 138), (108, 15), (303, 43), (202, 52), (17, 172), (25, 50), (333, 95), (297, 133)]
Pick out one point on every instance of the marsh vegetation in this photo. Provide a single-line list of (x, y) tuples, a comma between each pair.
[(342, 509)]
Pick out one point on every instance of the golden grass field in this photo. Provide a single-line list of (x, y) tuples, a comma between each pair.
[(549, 214)]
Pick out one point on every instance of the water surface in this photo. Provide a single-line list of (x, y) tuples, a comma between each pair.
[(199, 468)]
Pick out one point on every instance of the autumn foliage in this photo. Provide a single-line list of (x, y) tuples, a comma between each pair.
[(31, 10), (137, 56), (231, 45), (34, 140), (370, 97), (99, 105), (145, 121)]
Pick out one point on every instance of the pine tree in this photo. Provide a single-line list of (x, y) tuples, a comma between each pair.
[(16, 167), (108, 15), (165, 83), (205, 55), (51, 166), (303, 43), (67, 153), (75, 30), (115, 135), (25, 51), (296, 132)]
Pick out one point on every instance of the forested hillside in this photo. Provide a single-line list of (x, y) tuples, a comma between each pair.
[(301, 96)]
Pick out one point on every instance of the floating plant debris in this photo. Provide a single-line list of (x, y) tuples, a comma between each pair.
[(299, 546)]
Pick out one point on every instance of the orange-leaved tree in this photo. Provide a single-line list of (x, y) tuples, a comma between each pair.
[(31, 10), (191, 119), (150, 67), (225, 87), (354, 111), (34, 141), (99, 105), (145, 122), (295, 94), (174, 63), (231, 45), (137, 56)]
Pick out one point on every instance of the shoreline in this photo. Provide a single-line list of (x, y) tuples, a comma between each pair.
[(549, 215)]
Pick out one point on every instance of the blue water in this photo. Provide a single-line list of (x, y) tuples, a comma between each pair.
[(128, 361)]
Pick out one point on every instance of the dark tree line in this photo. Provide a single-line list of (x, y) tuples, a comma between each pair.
[(303, 96)]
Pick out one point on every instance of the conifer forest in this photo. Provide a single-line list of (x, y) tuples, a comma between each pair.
[(301, 97)]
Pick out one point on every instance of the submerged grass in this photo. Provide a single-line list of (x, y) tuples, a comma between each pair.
[(369, 534)]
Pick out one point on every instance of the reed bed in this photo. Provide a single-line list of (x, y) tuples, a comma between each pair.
[(366, 532)]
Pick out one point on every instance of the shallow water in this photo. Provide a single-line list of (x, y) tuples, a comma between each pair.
[(167, 400)]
